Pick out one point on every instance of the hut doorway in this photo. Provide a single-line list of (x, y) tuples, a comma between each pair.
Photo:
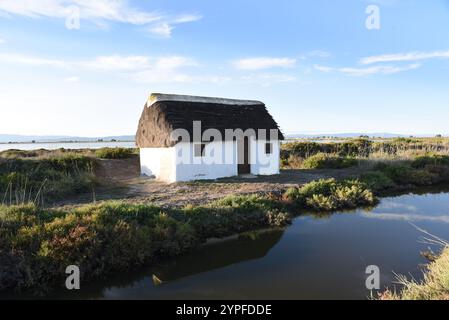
[(244, 166)]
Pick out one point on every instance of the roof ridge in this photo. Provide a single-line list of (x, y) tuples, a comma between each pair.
[(158, 97)]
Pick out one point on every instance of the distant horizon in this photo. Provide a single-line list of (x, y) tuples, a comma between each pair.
[(18, 138)]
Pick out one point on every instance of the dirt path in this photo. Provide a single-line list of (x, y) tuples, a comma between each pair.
[(125, 174)]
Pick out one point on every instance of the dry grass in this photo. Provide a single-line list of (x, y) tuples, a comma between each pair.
[(434, 286)]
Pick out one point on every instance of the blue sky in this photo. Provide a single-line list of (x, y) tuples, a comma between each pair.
[(314, 63)]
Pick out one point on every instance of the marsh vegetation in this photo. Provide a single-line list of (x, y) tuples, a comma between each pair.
[(38, 239)]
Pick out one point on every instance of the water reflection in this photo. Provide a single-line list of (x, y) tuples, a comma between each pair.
[(247, 247)]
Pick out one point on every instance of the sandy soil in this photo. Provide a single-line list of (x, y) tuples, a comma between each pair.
[(124, 178)]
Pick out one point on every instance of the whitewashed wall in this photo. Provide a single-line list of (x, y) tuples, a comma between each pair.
[(159, 163), (220, 161), (265, 164)]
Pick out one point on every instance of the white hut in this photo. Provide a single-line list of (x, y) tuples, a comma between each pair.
[(185, 138)]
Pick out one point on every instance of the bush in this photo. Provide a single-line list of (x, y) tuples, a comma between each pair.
[(236, 214), (403, 174), (36, 245), (328, 195), (377, 181), (324, 161), (430, 160), (114, 153)]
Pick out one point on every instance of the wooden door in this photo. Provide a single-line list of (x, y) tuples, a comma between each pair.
[(244, 166)]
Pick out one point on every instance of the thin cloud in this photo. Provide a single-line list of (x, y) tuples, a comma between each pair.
[(165, 29), (116, 63), (404, 57), (97, 12), (164, 69), (2, 41), (359, 72), (33, 61), (260, 63), (319, 54)]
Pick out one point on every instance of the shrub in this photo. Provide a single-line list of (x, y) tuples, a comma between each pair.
[(324, 161), (114, 153), (236, 214), (36, 245), (377, 181), (430, 160), (403, 174), (328, 195)]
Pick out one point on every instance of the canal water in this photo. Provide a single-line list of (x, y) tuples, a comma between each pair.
[(318, 257)]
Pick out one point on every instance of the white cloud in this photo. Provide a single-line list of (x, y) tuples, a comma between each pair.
[(116, 63), (187, 18), (165, 69), (404, 57), (72, 80), (2, 41), (33, 61), (358, 72), (97, 12), (319, 54), (162, 30), (323, 68), (261, 63)]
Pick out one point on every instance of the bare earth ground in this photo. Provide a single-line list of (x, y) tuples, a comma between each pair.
[(125, 183)]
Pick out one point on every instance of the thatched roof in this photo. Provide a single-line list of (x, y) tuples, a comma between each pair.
[(165, 113)]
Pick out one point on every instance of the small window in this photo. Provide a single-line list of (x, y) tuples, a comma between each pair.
[(200, 150), (268, 148)]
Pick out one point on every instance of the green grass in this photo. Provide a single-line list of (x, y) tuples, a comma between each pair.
[(25, 180)]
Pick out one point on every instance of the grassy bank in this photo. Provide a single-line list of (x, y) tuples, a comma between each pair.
[(435, 285), (36, 244)]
